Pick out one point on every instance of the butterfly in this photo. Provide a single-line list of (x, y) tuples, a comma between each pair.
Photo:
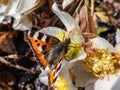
[(49, 51)]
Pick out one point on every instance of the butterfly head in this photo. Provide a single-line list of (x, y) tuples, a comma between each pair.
[(63, 46), (66, 42)]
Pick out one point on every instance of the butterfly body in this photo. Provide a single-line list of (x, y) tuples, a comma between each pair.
[(49, 51)]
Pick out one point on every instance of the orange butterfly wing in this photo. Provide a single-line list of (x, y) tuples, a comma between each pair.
[(40, 42), (55, 51)]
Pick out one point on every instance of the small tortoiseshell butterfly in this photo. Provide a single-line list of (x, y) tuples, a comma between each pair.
[(49, 51)]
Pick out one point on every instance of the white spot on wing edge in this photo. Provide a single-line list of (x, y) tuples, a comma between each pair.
[(40, 48), (44, 38), (29, 32), (36, 35), (56, 74)]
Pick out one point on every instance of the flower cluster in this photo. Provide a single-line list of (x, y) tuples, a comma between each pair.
[(101, 62)]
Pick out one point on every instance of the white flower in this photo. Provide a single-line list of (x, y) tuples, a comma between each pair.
[(87, 80), (19, 10), (74, 34)]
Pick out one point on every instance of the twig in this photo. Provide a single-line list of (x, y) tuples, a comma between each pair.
[(15, 66), (73, 7), (77, 9), (13, 56), (87, 20), (92, 7)]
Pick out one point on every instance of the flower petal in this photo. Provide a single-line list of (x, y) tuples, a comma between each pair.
[(19, 10), (1, 18), (71, 25), (101, 43), (3, 5), (64, 72), (3, 8), (82, 77), (108, 83), (66, 19), (53, 31), (117, 35), (43, 77), (117, 46), (19, 7), (26, 24), (26, 6), (11, 7)]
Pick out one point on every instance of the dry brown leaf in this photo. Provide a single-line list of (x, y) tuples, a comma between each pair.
[(91, 24), (7, 81), (6, 41), (87, 24), (83, 23)]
